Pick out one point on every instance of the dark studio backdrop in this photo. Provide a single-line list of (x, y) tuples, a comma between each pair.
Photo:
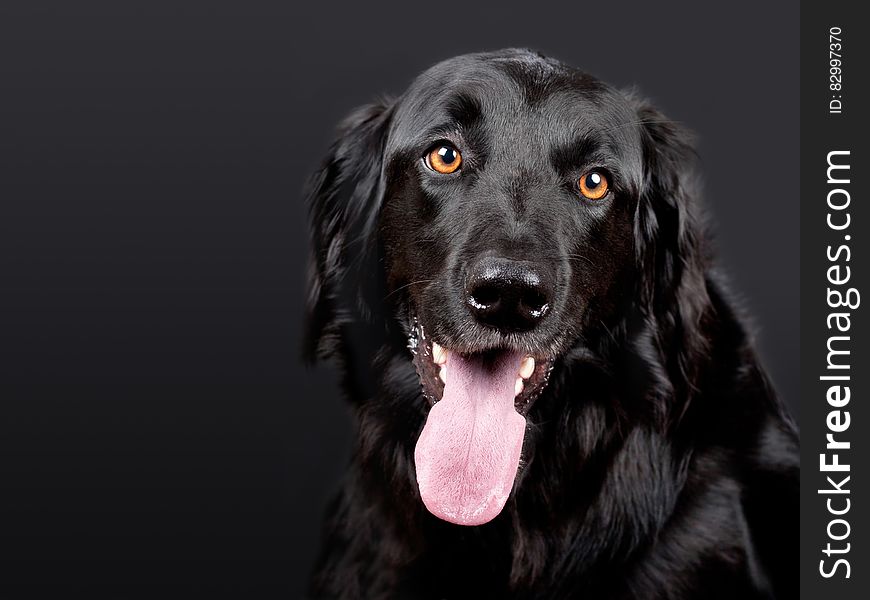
[(159, 435)]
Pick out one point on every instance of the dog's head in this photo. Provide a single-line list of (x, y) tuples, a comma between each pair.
[(503, 210)]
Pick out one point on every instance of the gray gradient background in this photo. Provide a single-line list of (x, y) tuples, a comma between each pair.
[(159, 434)]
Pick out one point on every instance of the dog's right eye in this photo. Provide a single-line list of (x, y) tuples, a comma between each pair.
[(444, 158)]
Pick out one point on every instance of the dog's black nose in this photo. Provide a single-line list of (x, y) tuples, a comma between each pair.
[(510, 295)]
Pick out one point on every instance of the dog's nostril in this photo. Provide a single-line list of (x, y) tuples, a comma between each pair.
[(485, 295), (507, 294), (535, 302)]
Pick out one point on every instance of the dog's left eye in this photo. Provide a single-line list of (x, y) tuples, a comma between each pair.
[(443, 158), (594, 185)]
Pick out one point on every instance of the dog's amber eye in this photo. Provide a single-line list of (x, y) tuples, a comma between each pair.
[(444, 158), (594, 185)]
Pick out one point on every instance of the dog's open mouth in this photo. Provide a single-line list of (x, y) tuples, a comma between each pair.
[(469, 450)]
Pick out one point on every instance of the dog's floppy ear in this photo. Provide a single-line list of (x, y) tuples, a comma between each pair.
[(344, 197), (670, 243)]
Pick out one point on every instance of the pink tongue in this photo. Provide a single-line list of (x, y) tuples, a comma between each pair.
[(469, 450)]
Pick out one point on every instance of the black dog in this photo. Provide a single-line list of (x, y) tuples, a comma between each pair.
[(555, 398)]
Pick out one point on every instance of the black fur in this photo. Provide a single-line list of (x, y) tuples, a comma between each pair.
[(658, 462)]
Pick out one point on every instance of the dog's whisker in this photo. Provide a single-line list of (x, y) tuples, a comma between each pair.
[(641, 122), (609, 332), (407, 285), (580, 257)]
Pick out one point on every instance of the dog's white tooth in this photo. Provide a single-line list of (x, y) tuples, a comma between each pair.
[(443, 374), (439, 354), (527, 367), (518, 387)]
